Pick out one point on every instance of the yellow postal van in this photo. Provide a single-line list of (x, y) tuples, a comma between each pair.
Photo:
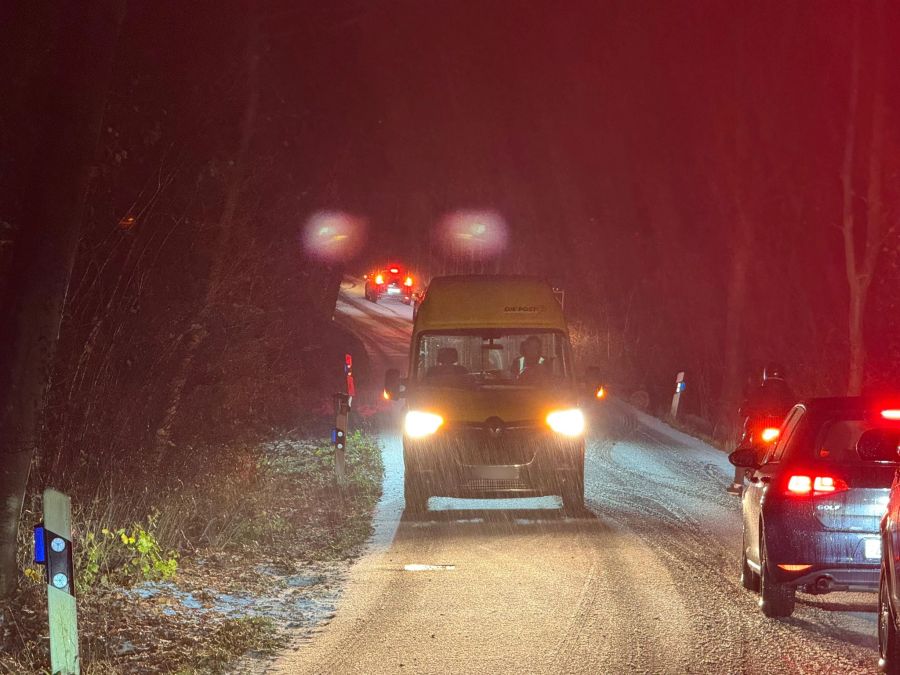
[(491, 401)]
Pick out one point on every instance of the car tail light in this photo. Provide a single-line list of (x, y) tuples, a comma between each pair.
[(815, 486), (891, 414), (794, 568), (395, 270), (601, 392), (379, 279), (408, 281), (770, 434)]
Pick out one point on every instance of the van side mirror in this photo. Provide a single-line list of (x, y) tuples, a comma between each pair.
[(746, 458), (392, 386)]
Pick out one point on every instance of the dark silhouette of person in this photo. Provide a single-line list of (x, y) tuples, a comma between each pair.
[(530, 351), (447, 364), (770, 401), (772, 398), (531, 366)]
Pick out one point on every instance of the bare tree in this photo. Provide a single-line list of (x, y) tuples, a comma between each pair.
[(862, 243), (45, 248), (198, 331)]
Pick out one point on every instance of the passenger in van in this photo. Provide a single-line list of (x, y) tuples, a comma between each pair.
[(531, 365), (447, 364)]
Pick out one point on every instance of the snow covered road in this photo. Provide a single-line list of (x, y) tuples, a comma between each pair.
[(647, 581)]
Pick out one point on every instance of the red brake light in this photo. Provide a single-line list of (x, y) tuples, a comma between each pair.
[(891, 414), (770, 434), (394, 270), (799, 485), (814, 486), (379, 279), (826, 484)]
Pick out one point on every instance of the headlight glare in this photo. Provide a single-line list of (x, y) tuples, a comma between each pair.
[(566, 422), (420, 424)]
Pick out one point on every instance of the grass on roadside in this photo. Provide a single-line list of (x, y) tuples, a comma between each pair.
[(287, 502)]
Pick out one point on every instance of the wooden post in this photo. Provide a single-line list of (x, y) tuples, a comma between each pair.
[(64, 657)]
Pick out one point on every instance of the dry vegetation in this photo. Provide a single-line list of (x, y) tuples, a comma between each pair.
[(212, 571)]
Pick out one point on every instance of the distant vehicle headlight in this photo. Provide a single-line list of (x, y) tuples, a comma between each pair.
[(420, 424), (566, 422)]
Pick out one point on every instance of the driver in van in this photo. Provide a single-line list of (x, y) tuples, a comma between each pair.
[(532, 363)]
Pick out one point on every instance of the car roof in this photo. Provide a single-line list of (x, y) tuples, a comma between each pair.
[(849, 405)]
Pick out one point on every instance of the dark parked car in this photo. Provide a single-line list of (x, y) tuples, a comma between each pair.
[(889, 589), (814, 503)]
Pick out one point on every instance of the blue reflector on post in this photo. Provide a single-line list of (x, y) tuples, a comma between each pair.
[(40, 556)]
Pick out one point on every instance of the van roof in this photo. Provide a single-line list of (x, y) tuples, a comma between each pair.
[(489, 301)]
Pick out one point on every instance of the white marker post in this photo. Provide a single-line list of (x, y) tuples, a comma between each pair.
[(57, 541), (676, 399), (339, 435)]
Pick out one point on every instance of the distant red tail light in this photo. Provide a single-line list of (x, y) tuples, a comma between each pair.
[(815, 486), (379, 279), (408, 281)]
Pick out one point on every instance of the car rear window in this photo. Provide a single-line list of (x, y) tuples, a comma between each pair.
[(858, 441)]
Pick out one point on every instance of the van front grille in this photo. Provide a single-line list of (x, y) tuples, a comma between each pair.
[(489, 484)]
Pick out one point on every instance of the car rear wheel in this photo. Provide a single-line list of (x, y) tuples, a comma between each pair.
[(415, 493), (775, 599), (888, 640)]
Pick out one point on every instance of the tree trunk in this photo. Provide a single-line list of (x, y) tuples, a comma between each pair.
[(861, 269), (857, 340), (46, 245), (199, 330)]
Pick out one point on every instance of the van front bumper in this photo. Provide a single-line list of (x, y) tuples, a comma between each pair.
[(473, 462)]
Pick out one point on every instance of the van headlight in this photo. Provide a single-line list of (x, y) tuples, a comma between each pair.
[(420, 424), (566, 422)]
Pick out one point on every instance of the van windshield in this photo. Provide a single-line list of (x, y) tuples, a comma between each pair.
[(491, 357)]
